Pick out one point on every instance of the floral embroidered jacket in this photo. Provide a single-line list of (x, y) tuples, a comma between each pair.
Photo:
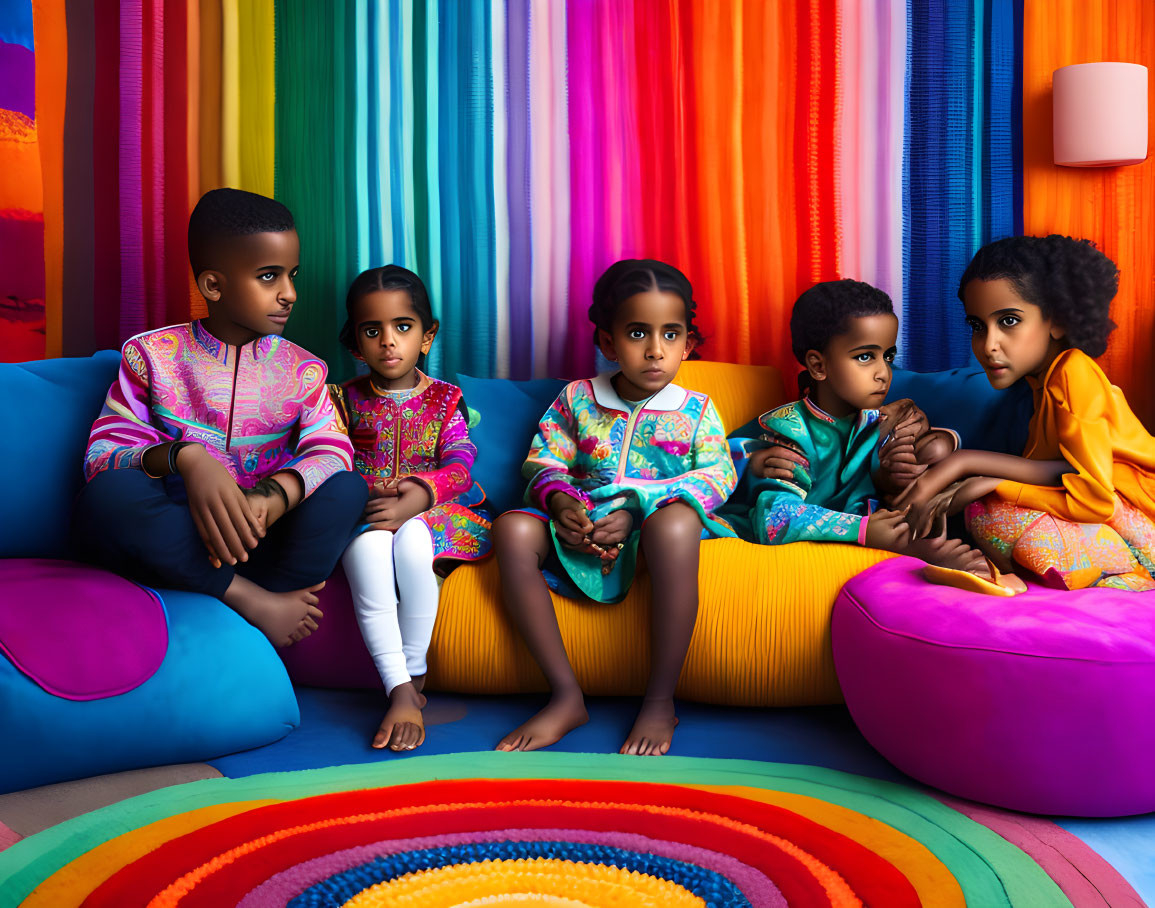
[(829, 502), (596, 447), (420, 433), (258, 408)]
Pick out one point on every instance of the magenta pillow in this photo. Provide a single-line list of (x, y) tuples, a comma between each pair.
[(77, 631), (1040, 702)]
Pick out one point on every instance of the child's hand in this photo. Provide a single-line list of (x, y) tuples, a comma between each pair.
[(400, 501), (571, 521), (610, 532), (777, 462), (384, 488), (887, 530), (904, 419), (219, 509), (898, 465), (266, 504)]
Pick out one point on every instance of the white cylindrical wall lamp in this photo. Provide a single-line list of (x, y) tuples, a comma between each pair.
[(1100, 114)]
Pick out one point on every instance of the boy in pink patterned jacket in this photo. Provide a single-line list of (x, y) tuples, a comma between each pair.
[(218, 464)]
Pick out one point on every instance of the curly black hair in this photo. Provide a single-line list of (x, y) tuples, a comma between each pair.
[(224, 213), (1069, 279), (388, 277), (824, 311), (630, 277)]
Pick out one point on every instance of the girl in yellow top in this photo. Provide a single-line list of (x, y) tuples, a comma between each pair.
[(1078, 508)]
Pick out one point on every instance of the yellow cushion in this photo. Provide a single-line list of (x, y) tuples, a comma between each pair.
[(763, 631), (762, 637), (740, 393)]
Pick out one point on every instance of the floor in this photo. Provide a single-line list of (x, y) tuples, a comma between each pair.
[(336, 727)]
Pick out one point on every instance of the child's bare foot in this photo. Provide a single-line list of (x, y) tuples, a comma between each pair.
[(653, 729), (403, 727), (561, 715), (948, 553), (282, 617)]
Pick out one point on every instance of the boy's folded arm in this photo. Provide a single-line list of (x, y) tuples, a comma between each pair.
[(552, 456), (323, 447), (781, 512), (782, 515), (123, 431)]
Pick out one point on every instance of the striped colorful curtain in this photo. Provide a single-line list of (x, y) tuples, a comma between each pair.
[(509, 150)]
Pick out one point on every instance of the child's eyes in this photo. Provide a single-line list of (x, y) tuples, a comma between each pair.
[(636, 334), (268, 277), (864, 357), (671, 335), (1009, 321), (371, 332), (402, 328), (889, 357), (975, 326)]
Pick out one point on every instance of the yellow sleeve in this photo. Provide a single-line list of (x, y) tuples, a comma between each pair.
[(1077, 404)]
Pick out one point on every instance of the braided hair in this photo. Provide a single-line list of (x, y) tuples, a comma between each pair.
[(1069, 279), (629, 277)]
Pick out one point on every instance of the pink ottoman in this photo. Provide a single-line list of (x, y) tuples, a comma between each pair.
[(1043, 702)]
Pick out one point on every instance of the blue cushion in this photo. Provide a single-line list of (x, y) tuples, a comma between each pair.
[(509, 412), (49, 408), (221, 688), (963, 400)]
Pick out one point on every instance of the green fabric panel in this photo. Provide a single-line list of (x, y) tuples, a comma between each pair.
[(314, 130)]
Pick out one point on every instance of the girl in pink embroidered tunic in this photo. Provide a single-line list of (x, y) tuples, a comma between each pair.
[(411, 444)]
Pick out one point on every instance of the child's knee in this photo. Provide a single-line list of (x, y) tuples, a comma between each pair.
[(412, 542), (113, 497), (676, 522), (516, 535), (346, 490)]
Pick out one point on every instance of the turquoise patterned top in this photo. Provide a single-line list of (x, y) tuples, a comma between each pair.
[(829, 502), (593, 445)]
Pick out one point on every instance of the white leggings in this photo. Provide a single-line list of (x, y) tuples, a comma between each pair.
[(379, 565)]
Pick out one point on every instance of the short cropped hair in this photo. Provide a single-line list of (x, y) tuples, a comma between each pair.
[(224, 213)]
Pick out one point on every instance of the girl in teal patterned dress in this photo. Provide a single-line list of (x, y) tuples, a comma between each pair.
[(621, 460)]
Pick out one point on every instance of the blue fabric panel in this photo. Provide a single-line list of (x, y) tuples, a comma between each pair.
[(961, 181)]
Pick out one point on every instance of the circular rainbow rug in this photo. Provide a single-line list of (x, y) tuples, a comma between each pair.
[(554, 829)]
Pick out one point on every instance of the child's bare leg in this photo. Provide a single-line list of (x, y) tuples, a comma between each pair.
[(282, 617), (521, 543), (403, 727), (670, 540)]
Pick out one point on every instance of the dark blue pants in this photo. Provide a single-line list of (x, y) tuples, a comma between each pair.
[(141, 528)]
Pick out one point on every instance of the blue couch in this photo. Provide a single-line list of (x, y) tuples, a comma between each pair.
[(221, 687)]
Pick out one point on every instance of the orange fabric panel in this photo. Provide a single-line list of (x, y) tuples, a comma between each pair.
[(51, 37), (1114, 206)]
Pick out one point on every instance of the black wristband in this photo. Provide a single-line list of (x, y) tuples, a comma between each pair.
[(173, 450)]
